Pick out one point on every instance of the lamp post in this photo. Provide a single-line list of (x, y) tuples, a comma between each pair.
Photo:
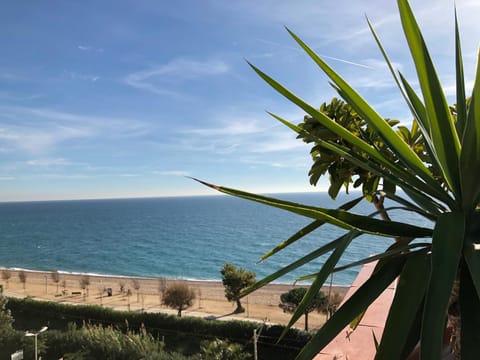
[(35, 336)]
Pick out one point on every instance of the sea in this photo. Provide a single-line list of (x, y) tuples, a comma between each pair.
[(173, 237)]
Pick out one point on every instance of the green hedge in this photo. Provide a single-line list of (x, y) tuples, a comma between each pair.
[(181, 334)]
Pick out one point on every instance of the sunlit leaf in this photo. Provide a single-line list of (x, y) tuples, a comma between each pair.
[(345, 134), (470, 155), (461, 98), (339, 218), (396, 144), (442, 127), (400, 178)]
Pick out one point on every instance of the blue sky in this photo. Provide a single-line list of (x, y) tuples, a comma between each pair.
[(102, 99)]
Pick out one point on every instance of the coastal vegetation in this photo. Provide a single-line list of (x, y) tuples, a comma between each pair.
[(22, 276), (179, 296), (235, 280), (84, 282), (435, 164), (218, 349), (291, 300), (161, 286), (136, 285), (55, 275), (6, 275), (93, 329)]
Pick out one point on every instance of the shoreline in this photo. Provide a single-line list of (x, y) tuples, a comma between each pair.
[(145, 295), (147, 277)]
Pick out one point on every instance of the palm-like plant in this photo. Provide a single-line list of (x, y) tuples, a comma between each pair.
[(440, 183)]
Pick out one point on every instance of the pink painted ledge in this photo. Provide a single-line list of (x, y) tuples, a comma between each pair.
[(360, 344)]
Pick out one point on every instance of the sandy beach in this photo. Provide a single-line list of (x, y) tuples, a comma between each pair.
[(145, 295)]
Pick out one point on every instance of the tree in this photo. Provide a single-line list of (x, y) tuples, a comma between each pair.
[(55, 277), (439, 284), (10, 339), (290, 301), (136, 285), (6, 275), (6, 319), (162, 286), (22, 276), (235, 280), (84, 283), (332, 304), (179, 296)]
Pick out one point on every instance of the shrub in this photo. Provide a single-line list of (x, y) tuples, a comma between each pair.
[(182, 334), (179, 296)]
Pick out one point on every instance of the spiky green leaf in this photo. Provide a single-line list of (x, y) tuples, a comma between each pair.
[(471, 249), (443, 133), (317, 284), (359, 302), (447, 243), (332, 245), (461, 98), (469, 305), (340, 218), (431, 188), (396, 144), (470, 155), (394, 175), (308, 229), (408, 298)]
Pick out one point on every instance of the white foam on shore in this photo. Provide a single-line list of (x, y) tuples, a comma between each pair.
[(77, 273)]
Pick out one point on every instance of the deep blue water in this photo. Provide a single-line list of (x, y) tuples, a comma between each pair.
[(177, 237)]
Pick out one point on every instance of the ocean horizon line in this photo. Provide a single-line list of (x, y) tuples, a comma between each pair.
[(166, 196), (184, 238)]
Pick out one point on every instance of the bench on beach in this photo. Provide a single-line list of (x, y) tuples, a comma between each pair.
[(76, 293)]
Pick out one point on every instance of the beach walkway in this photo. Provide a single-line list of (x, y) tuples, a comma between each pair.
[(210, 302)]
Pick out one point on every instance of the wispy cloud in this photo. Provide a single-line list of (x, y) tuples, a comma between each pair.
[(130, 175), (159, 79), (14, 97), (276, 142), (300, 51), (84, 77), (451, 88), (232, 128), (180, 173), (9, 75), (247, 135), (349, 62), (292, 162), (46, 162), (35, 140), (41, 129), (88, 48)]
